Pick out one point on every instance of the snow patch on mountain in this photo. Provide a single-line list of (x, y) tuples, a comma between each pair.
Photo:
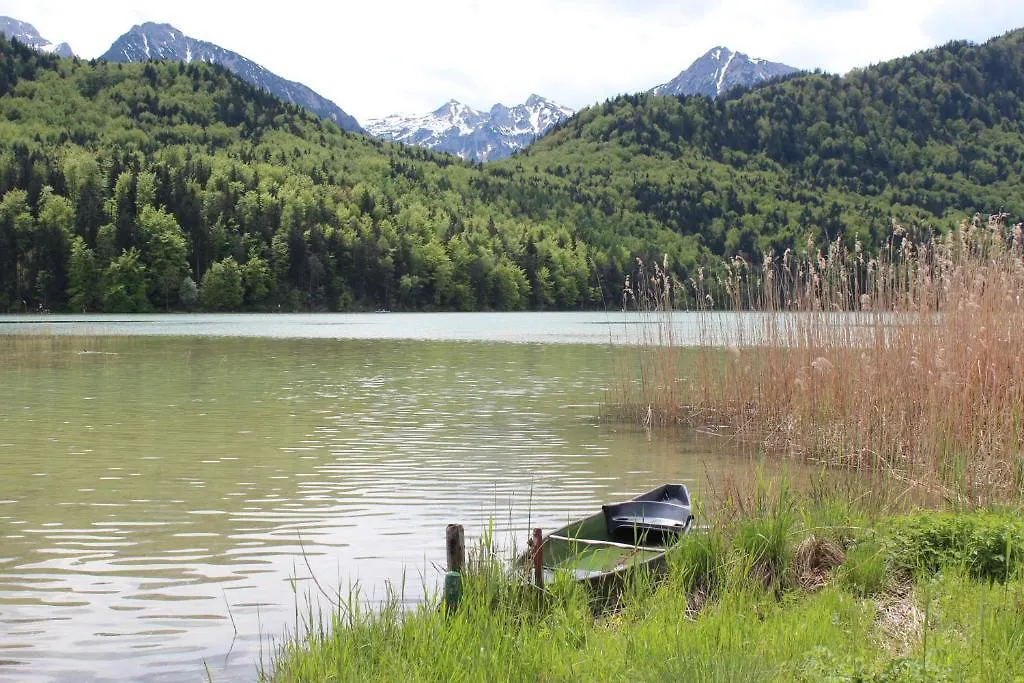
[(473, 134), (719, 71), (152, 41), (26, 34)]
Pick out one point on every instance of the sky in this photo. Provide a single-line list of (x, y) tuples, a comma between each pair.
[(411, 56)]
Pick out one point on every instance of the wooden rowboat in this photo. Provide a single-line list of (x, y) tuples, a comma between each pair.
[(623, 537)]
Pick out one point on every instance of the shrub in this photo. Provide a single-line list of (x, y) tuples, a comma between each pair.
[(988, 545)]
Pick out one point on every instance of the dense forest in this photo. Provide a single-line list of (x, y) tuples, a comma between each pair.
[(167, 186), (927, 140)]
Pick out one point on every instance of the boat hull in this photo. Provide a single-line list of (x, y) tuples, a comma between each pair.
[(599, 553)]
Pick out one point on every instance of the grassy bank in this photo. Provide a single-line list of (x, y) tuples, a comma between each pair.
[(908, 361), (774, 591), (903, 371)]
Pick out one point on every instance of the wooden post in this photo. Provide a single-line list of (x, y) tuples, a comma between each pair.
[(455, 542), (455, 545), (538, 557)]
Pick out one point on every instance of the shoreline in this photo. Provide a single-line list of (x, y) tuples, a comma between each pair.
[(783, 589)]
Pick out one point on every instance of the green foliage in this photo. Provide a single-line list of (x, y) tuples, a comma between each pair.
[(823, 666), (509, 285), (221, 289), (83, 278), (16, 228), (257, 279), (988, 546), (338, 220), (764, 545), (699, 563), (949, 627), (165, 251), (188, 292), (927, 140), (123, 284), (866, 569), (161, 158)]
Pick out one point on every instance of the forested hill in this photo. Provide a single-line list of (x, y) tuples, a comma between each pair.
[(170, 186), (928, 139), (167, 186)]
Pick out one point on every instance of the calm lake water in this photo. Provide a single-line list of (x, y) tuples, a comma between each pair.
[(171, 483)]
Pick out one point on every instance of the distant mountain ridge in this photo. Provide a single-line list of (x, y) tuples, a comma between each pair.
[(152, 41), (473, 134), (477, 135), (719, 71), (682, 180), (27, 34)]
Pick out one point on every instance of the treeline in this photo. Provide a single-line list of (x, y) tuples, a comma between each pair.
[(166, 187), (929, 140), (169, 186)]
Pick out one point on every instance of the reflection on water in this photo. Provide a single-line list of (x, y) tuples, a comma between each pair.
[(165, 500)]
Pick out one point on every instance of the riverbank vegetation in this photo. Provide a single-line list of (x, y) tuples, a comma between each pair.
[(166, 186), (907, 360), (778, 589)]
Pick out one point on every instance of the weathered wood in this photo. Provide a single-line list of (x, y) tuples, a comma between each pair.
[(455, 542), (538, 557), (455, 549), (610, 544)]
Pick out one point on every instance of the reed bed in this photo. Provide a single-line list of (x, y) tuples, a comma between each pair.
[(909, 361)]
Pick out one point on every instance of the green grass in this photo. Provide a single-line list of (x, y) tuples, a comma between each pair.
[(714, 617)]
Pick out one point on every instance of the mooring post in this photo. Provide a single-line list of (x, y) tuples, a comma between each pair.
[(455, 542), (538, 557), (455, 545)]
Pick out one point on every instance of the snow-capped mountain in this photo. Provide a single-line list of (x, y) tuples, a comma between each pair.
[(164, 42), (26, 34), (721, 70), (473, 134)]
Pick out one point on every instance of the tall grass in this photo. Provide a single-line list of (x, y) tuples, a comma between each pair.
[(909, 361), (737, 605)]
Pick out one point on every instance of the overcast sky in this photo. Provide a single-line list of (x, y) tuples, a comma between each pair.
[(386, 56)]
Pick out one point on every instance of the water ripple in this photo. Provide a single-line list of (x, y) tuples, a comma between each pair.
[(205, 481)]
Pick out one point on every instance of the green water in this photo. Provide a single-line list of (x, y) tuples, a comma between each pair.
[(164, 499)]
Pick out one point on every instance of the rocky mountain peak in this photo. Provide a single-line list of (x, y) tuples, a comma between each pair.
[(719, 70), (472, 134), (161, 41), (26, 34)]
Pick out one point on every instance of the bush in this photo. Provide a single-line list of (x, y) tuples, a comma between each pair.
[(222, 286), (988, 545)]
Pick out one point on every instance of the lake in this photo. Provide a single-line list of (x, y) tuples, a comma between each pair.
[(171, 484)]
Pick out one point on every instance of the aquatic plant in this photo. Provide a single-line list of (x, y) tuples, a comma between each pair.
[(909, 361)]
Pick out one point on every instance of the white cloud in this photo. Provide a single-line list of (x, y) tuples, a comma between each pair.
[(380, 57)]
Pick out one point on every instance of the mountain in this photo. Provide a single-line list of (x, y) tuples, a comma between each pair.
[(926, 140), (721, 70), (122, 186), (164, 42), (26, 34), (470, 133)]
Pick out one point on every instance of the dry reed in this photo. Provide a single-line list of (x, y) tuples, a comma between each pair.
[(814, 559), (909, 361)]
